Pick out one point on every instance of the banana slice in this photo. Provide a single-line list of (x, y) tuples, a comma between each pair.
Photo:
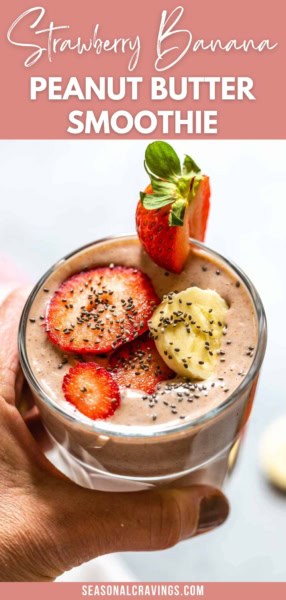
[(187, 328)]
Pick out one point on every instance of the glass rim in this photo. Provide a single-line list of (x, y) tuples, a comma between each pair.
[(133, 431)]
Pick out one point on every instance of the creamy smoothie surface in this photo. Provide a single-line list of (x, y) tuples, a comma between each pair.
[(177, 400)]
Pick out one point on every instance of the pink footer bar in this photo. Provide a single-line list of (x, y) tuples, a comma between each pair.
[(76, 591)]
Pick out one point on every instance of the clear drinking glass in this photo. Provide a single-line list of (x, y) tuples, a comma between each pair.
[(128, 458)]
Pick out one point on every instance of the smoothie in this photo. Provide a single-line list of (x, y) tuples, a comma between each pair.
[(197, 422), (176, 399)]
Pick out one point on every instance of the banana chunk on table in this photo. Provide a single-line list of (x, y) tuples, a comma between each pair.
[(273, 453)]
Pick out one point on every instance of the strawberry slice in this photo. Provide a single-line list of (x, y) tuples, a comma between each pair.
[(139, 365), (92, 390), (173, 208), (99, 310), (198, 211)]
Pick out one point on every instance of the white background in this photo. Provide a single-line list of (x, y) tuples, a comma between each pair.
[(55, 196)]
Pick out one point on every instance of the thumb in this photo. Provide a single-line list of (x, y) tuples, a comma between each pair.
[(100, 523), (10, 313)]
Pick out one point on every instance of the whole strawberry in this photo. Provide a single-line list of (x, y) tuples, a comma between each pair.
[(173, 208)]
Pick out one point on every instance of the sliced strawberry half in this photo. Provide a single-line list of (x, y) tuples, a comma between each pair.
[(99, 310), (173, 208), (138, 365), (167, 246), (198, 210), (92, 390)]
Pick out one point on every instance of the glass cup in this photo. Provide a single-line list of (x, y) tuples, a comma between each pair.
[(105, 456)]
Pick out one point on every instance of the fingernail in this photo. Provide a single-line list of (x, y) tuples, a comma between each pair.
[(214, 510)]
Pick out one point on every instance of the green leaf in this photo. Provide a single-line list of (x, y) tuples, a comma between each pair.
[(162, 161), (152, 202), (163, 188), (170, 184), (177, 213), (189, 166)]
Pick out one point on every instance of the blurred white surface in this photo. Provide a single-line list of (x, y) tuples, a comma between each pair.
[(55, 196)]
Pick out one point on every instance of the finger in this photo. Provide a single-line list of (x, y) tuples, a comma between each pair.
[(97, 523), (10, 313), (19, 385), (34, 423), (25, 401), (31, 416)]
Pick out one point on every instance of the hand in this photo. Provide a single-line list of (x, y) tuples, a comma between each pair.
[(48, 524)]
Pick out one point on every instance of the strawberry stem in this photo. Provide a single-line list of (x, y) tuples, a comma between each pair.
[(172, 183)]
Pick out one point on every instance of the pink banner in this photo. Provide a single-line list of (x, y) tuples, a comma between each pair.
[(210, 591), (125, 69)]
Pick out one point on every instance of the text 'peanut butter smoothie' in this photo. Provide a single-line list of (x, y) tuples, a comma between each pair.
[(149, 331)]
